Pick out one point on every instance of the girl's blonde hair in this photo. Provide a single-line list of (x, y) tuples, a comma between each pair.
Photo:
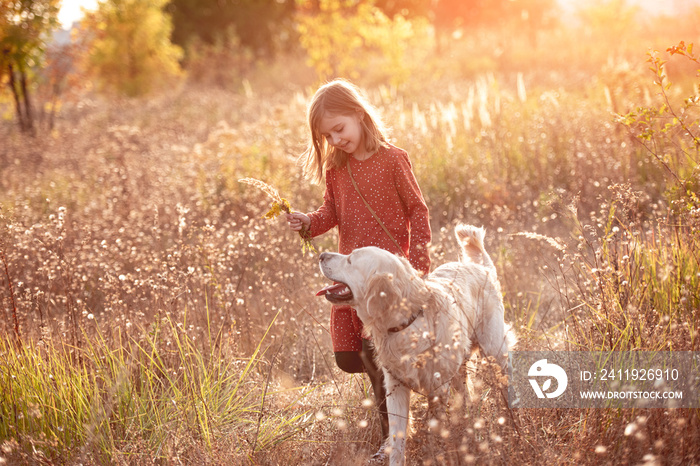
[(338, 97)]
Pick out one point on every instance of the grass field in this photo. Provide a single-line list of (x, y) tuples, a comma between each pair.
[(151, 316)]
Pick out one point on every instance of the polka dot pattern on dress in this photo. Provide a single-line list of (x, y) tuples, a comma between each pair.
[(387, 182)]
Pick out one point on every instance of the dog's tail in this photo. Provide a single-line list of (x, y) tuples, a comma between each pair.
[(471, 240)]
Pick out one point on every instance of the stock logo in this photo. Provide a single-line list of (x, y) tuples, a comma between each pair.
[(542, 369)]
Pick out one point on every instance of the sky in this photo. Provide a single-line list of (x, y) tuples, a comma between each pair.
[(665, 7), (70, 11)]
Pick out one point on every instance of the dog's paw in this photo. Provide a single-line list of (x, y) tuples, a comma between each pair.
[(378, 458)]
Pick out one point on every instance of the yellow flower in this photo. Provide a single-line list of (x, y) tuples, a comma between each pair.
[(277, 207)]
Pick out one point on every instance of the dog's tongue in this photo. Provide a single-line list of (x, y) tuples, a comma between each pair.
[(336, 288)]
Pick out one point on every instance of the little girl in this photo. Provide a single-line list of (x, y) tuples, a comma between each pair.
[(348, 145)]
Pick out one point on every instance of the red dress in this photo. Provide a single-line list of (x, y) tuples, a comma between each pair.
[(387, 182)]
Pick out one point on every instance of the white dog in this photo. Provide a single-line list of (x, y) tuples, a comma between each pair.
[(423, 328)]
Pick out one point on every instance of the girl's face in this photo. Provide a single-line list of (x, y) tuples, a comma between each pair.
[(344, 132)]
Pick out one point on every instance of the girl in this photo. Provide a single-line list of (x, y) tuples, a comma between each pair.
[(371, 196)]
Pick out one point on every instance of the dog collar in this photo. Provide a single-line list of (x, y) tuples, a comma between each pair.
[(412, 319)]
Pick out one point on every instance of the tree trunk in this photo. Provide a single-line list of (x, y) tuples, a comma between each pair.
[(29, 119), (15, 94), (23, 105), (56, 88)]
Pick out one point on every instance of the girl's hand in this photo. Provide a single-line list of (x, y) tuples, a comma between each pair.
[(298, 221)]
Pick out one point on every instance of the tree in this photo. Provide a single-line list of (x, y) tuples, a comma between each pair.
[(129, 46), (349, 39), (406, 8), (609, 20), (670, 131), (535, 16), (259, 25), (468, 13), (24, 28), (528, 15)]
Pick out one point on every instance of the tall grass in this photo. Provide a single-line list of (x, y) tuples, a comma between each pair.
[(157, 398), (624, 287), (641, 288)]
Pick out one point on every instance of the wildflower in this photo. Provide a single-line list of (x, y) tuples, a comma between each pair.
[(279, 205), (555, 243), (277, 208)]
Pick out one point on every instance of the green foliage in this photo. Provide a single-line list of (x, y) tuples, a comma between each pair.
[(25, 26), (87, 404), (130, 50), (408, 8), (669, 131), (610, 28), (347, 39), (610, 18), (260, 26), (223, 64)]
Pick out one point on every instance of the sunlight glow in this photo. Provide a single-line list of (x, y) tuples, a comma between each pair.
[(71, 11)]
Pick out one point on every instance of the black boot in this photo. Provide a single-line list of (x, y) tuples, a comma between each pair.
[(376, 377)]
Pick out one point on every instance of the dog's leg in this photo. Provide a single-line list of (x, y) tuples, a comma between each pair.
[(376, 377), (398, 403)]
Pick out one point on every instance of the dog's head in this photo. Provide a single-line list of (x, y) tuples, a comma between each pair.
[(378, 284)]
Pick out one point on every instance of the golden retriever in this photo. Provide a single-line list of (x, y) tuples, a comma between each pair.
[(423, 328)]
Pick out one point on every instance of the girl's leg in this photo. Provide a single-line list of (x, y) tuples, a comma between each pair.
[(346, 332), (376, 377), (349, 361), (356, 362)]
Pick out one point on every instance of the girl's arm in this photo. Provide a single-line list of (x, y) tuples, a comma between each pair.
[(419, 217), (325, 217)]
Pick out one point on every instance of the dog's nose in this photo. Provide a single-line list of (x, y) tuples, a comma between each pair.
[(323, 256)]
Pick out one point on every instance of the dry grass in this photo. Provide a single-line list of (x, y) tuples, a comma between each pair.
[(162, 320)]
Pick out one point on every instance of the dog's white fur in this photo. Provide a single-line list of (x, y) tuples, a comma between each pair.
[(456, 307)]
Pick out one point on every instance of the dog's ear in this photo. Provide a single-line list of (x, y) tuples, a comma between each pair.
[(382, 294)]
